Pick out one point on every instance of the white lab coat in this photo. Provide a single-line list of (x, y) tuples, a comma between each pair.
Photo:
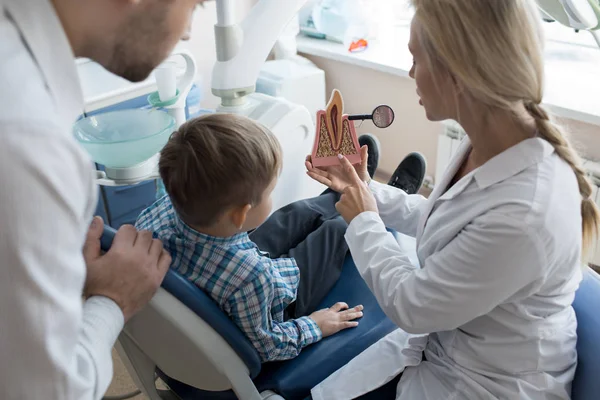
[(52, 345), (500, 263)]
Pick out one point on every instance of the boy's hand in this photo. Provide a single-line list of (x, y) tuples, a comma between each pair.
[(334, 319)]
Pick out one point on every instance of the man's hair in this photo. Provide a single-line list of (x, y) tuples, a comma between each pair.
[(215, 162)]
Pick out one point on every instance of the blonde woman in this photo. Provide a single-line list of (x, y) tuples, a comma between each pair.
[(500, 239)]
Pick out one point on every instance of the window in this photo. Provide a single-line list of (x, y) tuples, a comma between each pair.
[(559, 33), (386, 14)]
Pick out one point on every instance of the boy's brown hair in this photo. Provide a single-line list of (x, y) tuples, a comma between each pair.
[(215, 162)]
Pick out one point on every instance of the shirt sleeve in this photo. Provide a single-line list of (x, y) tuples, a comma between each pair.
[(490, 260), (287, 271), (249, 307), (286, 266), (399, 211), (52, 345)]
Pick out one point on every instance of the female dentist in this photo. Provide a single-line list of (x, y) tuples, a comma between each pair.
[(500, 239)]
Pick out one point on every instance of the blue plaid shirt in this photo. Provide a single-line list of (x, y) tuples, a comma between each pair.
[(251, 288)]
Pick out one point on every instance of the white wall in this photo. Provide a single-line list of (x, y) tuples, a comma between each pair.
[(365, 88)]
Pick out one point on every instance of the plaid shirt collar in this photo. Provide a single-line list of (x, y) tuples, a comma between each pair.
[(192, 235)]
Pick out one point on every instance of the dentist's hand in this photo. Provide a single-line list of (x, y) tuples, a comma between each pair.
[(334, 319), (130, 272), (356, 197), (334, 176)]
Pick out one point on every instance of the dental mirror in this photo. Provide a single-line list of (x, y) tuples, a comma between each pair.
[(382, 116)]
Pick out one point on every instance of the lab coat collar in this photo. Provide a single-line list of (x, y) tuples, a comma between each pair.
[(45, 37), (499, 168), (441, 192), (512, 161)]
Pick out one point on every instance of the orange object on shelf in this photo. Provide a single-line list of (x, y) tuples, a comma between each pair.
[(358, 45)]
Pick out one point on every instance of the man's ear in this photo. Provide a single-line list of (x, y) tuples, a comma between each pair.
[(239, 214)]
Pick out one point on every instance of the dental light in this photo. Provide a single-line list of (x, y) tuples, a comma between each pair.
[(576, 14)]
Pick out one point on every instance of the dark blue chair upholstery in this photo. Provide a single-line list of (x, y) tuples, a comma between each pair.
[(292, 379), (586, 385)]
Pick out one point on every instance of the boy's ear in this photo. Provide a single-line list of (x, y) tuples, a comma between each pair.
[(238, 215)]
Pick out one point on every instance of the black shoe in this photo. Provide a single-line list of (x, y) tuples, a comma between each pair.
[(410, 173), (373, 151)]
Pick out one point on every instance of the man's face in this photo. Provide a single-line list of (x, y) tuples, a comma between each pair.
[(148, 35)]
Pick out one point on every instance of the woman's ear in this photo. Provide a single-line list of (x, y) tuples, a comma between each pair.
[(239, 214)]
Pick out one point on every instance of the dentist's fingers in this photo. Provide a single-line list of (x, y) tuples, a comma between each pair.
[(124, 238), (364, 160), (317, 174), (316, 170), (364, 156), (144, 240), (156, 249), (319, 178), (164, 262), (91, 247), (308, 162), (349, 170), (319, 171), (313, 169), (308, 165)]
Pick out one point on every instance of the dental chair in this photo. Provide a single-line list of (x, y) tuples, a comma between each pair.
[(586, 385), (185, 339), (201, 354)]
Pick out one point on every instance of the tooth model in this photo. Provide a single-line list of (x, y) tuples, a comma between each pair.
[(335, 135)]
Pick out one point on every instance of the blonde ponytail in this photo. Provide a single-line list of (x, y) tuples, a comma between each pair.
[(589, 211)]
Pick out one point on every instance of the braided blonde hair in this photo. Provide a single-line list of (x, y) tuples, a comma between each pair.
[(494, 48)]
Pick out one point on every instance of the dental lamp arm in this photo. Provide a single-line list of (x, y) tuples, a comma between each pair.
[(577, 14), (243, 49)]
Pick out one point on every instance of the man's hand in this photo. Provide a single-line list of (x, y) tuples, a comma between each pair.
[(130, 272), (334, 177), (356, 198), (337, 318)]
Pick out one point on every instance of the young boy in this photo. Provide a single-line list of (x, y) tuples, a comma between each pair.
[(219, 171)]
